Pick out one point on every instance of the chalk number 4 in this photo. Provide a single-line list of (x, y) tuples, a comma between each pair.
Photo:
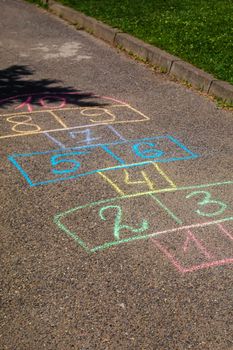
[(217, 205)]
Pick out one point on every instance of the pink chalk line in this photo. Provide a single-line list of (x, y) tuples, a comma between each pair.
[(194, 268), (225, 231), (191, 237), (64, 93), (176, 263)]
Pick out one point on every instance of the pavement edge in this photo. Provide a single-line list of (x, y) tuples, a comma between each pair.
[(167, 63)]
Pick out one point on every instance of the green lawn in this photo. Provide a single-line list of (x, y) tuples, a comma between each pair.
[(198, 31)]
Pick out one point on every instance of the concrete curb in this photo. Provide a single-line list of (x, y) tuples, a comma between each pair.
[(91, 25), (221, 88), (195, 76), (168, 63)]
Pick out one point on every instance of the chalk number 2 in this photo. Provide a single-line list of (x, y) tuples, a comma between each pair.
[(219, 206), (117, 222)]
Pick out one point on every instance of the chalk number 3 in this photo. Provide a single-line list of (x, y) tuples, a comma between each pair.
[(219, 206)]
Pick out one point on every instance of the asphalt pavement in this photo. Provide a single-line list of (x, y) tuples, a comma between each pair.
[(116, 197)]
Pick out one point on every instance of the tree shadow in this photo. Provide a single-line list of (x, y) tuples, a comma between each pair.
[(16, 87)]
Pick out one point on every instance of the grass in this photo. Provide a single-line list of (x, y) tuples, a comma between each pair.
[(198, 31), (38, 2)]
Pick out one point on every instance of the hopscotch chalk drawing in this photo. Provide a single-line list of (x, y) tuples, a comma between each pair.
[(191, 226), (87, 136), (198, 247), (62, 115), (76, 162), (209, 208)]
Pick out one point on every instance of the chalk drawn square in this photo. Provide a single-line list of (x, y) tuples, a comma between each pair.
[(197, 205), (40, 168), (162, 149), (76, 137), (134, 180), (113, 222), (22, 124), (70, 110), (100, 115), (152, 220), (197, 247)]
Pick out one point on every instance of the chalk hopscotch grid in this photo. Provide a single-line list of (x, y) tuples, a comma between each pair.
[(58, 119), (147, 180), (88, 140), (176, 263), (60, 216), (123, 165), (60, 95)]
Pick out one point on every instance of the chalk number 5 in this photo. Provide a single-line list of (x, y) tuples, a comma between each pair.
[(64, 160), (217, 205)]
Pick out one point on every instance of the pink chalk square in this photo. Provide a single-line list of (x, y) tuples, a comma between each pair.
[(197, 248)]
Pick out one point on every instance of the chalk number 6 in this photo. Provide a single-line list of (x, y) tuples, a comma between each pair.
[(208, 201)]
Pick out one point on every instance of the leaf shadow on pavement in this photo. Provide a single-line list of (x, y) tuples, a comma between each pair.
[(16, 83)]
